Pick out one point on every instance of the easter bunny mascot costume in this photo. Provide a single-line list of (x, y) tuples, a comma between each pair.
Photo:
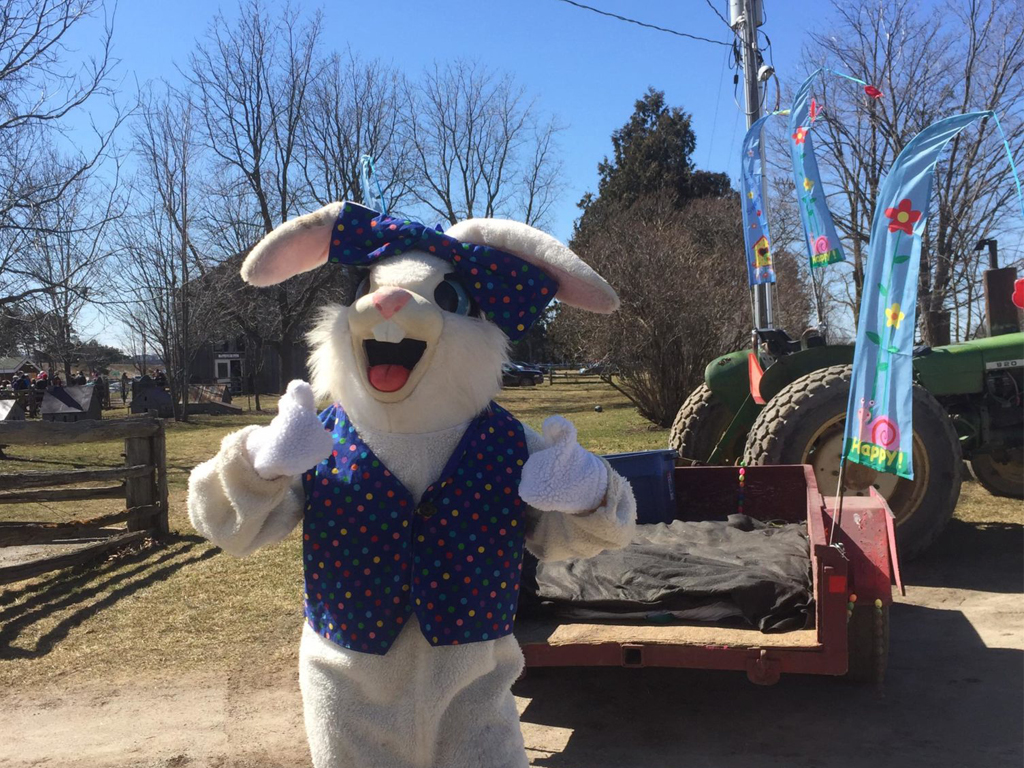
[(416, 492)]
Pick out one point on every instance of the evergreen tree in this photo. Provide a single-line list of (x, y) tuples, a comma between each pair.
[(652, 155)]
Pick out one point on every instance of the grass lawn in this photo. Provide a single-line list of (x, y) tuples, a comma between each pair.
[(184, 606)]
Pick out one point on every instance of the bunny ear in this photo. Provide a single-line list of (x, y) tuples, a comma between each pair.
[(578, 285), (294, 247)]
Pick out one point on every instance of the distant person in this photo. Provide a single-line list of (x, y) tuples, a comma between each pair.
[(160, 379), (40, 385), (124, 386), (100, 385), (37, 388), (80, 379), (56, 381)]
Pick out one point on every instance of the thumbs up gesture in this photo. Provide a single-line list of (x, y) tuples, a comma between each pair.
[(294, 441), (563, 477)]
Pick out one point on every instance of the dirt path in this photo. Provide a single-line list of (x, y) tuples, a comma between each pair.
[(953, 699)]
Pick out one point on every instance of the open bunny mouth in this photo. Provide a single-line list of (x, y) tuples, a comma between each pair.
[(389, 364)]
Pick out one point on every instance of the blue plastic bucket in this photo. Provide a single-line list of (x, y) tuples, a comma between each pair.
[(652, 475)]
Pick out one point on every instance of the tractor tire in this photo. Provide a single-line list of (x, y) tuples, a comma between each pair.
[(803, 424), (699, 425), (867, 633), (1000, 478)]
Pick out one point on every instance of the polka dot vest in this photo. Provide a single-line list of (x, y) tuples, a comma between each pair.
[(373, 557)]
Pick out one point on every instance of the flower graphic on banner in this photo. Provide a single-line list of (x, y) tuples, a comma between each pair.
[(903, 217), (821, 245), (800, 135), (893, 316), (808, 184)]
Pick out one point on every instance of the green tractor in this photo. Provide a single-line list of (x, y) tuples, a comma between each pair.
[(967, 406)]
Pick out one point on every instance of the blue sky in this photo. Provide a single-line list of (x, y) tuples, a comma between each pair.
[(586, 69)]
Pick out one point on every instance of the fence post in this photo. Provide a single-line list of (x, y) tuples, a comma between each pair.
[(160, 471), (140, 492)]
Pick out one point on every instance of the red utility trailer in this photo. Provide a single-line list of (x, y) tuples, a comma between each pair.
[(848, 634)]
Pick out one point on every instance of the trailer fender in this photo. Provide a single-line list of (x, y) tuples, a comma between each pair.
[(868, 538)]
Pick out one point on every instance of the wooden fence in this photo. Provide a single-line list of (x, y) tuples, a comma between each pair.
[(573, 376), (143, 486)]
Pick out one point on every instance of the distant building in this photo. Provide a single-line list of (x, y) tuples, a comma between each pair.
[(226, 362), (12, 365)]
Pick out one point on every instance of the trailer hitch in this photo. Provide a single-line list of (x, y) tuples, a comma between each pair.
[(763, 670)]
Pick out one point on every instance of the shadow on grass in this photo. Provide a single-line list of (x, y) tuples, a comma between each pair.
[(73, 592)]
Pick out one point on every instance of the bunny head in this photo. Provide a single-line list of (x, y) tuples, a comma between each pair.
[(421, 347)]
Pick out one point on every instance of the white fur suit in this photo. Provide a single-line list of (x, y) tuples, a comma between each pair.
[(418, 705)]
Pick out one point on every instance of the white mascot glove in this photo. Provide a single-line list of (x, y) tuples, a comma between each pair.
[(294, 441), (563, 477)]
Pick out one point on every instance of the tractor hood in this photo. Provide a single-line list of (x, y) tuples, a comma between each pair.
[(960, 368)]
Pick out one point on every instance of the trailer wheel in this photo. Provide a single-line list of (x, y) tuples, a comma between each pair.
[(803, 424), (699, 424), (867, 633)]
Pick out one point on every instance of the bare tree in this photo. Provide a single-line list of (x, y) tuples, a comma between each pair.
[(153, 292), (167, 144), (683, 294), (253, 81), (43, 81), (69, 263), (355, 109), (929, 64), (480, 146)]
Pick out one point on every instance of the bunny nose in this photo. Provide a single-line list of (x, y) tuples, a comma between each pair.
[(389, 300)]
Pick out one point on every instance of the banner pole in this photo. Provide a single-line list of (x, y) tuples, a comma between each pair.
[(839, 503)]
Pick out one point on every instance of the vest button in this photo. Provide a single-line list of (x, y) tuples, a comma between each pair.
[(426, 509)]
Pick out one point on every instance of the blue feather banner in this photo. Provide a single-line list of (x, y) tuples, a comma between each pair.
[(756, 237), (823, 246), (879, 425)]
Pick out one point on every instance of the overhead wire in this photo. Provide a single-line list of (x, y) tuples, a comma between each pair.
[(718, 100), (643, 23), (718, 13)]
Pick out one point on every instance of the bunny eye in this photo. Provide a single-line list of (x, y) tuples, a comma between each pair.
[(452, 297), (362, 288)]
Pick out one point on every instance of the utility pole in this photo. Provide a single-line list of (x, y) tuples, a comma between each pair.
[(746, 16)]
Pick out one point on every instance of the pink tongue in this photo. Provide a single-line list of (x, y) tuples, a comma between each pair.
[(388, 378)]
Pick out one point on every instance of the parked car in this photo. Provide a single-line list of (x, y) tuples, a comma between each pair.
[(515, 374)]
